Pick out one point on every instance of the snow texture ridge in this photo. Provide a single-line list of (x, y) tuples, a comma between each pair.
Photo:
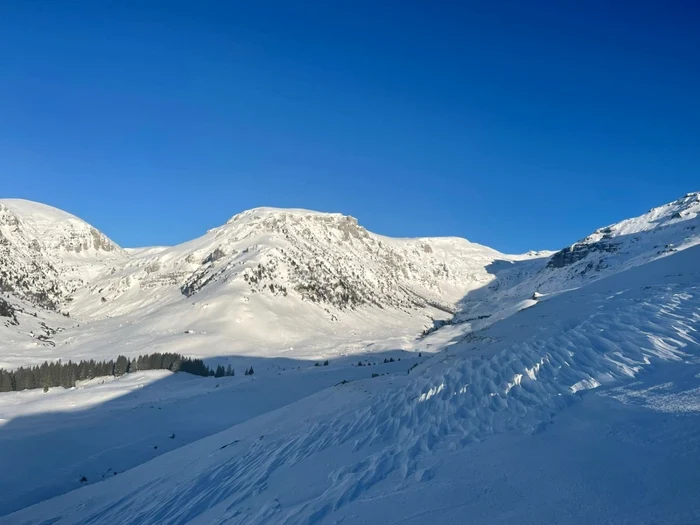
[(514, 376), (515, 340)]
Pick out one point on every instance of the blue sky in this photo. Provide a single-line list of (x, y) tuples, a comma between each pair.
[(522, 127)]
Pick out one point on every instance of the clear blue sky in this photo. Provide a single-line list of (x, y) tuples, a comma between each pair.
[(522, 127)]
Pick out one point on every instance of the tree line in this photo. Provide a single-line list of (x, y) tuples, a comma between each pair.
[(57, 373)]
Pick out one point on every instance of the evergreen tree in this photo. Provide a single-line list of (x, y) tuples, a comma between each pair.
[(48, 375), (6, 381), (121, 366)]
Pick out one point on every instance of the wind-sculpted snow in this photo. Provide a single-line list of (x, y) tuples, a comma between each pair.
[(517, 375)]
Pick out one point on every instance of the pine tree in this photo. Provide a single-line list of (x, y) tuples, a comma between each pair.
[(120, 367), (229, 370), (6, 381)]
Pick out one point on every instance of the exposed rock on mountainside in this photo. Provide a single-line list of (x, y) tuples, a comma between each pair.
[(324, 259), (274, 278), (633, 241), (45, 254), (612, 249)]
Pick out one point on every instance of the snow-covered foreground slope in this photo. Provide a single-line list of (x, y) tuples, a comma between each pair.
[(430, 446), (106, 426)]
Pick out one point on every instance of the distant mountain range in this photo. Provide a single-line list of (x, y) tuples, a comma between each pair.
[(273, 281)]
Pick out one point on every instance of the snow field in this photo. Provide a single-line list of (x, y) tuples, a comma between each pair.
[(514, 376)]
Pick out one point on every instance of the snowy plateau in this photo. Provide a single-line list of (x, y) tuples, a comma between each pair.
[(462, 385)]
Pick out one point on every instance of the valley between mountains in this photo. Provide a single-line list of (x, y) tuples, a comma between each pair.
[(458, 378)]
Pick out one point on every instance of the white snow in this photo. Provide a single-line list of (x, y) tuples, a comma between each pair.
[(266, 281), (580, 406)]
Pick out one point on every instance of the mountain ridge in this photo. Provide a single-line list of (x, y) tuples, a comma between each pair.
[(318, 275)]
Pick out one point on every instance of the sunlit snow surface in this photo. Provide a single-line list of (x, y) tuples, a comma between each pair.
[(579, 409)]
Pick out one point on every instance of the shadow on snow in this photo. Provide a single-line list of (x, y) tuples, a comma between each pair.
[(51, 453)]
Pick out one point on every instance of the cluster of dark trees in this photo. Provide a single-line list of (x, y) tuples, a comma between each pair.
[(7, 310), (67, 374), (222, 372)]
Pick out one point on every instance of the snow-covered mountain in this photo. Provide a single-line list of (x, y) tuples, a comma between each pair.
[(274, 281), (659, 232), (583, 409), (458, 418), (632, 242), (266, 281), (46, 254), (324, 259)]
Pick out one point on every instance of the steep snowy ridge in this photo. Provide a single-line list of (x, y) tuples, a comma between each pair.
[(659, 232), (46, 254), (326, 259), (270, 281)]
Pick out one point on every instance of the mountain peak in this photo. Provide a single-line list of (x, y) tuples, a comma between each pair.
[(661, 231), (46, 253), (263, 212), (57, 228)]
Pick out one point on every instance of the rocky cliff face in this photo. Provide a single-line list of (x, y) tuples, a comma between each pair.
[(658, 232), (325, 259), (272, 281), (329, 262), (46, 254)]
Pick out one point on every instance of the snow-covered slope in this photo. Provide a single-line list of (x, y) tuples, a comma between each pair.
[(46, 254), (266, 281), (286, 282), (632, 242), (391, 449), (278, 289), (659, 232), (324, 259)]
